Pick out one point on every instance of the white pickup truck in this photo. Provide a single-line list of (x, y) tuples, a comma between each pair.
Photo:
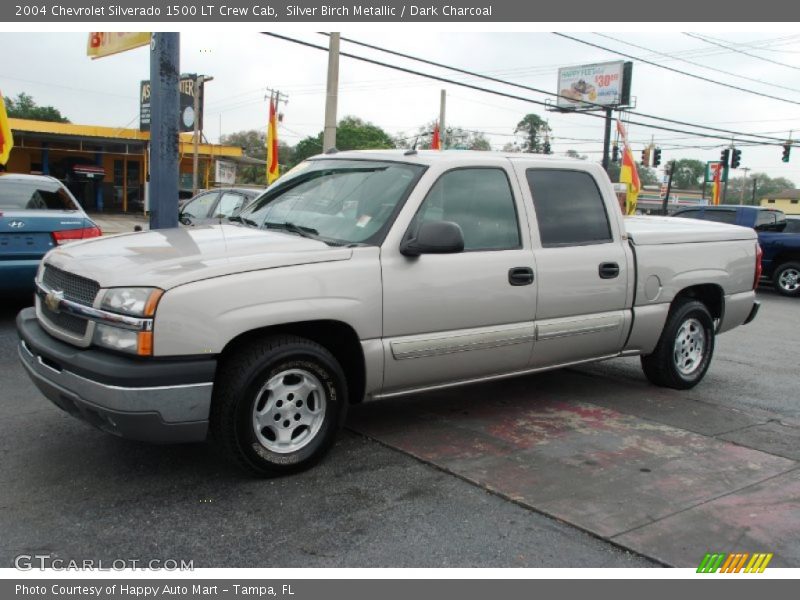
[(363, 275)]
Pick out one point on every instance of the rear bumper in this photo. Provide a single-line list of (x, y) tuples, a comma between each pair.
[(18, 275), (753, 313), (148, 400)]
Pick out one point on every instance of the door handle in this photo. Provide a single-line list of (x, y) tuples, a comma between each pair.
[(520, 276), (608, 270)]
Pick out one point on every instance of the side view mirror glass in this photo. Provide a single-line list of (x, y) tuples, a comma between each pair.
[(434, 237)]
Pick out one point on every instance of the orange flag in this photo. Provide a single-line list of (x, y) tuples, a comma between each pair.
[(273, 169), (6, 139)]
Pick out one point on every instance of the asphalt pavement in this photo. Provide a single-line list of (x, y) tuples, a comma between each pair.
[(76, 493), (582, 467)]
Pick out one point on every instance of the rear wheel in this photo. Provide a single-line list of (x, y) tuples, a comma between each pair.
[(787, 279), (278, 404), (684, 350)]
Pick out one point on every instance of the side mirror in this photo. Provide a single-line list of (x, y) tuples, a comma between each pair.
[(434, 237)]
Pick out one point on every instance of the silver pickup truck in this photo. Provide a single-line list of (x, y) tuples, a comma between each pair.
[(363, 275)]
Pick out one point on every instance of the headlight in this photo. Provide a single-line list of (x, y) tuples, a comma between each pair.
[(137, 302), (136, 337), (124, 340)]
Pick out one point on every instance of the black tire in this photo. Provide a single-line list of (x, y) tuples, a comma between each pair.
[(240, 390), (786, 279), (662, 366)]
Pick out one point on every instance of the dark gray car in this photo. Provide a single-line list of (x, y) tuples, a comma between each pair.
[(212, 205)]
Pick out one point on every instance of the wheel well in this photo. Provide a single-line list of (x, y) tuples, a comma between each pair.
[(338, 338), (782, 258), (709, 294)]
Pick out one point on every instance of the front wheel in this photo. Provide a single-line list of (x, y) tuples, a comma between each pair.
[(787, 279), (278, 404), (684, 350)]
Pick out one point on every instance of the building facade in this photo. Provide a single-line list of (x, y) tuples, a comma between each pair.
[(106, 167)]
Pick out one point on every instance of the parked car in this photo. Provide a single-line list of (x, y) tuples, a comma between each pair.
[(373, 274), (792, 224), (781, 245), (37, 213), (212, 205)]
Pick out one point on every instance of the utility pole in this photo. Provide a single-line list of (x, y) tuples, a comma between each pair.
[(670, 171), (198, 94), (442, 127), (329, 135), (164, 115), (727, 176), (753, 197), (607, 139), (744, 180)]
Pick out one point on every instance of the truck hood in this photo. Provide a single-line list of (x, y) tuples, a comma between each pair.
[(167, 258), (648, 231)]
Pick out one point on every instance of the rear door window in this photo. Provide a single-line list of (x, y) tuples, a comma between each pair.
[(200, 206), (569, 208), (229, 204)]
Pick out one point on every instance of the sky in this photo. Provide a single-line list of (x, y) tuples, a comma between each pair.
[(54, 69)]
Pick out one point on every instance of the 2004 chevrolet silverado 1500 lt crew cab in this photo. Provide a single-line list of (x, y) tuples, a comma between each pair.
[(372, 274)]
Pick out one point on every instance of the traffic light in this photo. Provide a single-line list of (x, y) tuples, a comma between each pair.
[(787, 148), (736, 158), (724, 157), (646, 157), (656, 157), (615, 154), (546, 147)]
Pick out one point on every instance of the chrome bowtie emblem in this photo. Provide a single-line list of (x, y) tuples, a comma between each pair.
[(53, 299), (17, 224)]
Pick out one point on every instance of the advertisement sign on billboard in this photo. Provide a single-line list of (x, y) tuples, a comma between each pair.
[(188, 89), (594, 86), (224, 172)]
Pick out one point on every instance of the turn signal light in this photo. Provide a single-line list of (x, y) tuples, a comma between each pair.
[(73, 235)]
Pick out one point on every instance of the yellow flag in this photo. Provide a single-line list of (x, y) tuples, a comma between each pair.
[(6, 139)]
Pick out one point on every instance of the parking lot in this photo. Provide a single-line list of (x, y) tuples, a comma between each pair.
[(589, 467)]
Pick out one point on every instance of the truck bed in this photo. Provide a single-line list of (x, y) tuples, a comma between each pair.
[(650, 231)]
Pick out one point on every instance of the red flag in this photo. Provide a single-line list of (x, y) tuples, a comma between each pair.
[(436, 142)]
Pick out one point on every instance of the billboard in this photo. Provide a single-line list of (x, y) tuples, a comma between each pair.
[(590, 87), (188, 88)]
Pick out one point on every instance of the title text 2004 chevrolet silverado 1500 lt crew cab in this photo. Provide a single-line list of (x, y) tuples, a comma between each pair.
[(372, 274)]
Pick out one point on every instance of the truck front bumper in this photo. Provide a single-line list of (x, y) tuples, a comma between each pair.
[(151, 400)]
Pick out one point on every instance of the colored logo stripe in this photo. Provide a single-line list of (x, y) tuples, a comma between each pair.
[(734, 563)]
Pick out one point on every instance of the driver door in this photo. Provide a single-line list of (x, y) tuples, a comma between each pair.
[(451, 317)]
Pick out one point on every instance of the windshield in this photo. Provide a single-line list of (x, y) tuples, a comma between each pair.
[(337, 201), (34, 195)]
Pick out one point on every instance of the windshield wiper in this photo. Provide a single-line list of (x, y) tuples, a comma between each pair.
[(308, 232)]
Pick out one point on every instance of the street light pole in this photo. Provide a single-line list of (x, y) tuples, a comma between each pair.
[(331, 98), (164, 115)]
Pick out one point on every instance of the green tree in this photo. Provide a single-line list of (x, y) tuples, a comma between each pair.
[(253, 143), (456, 137), (688, 174), (765, 187), (24, 107), (352, 133), (534, 129), (575, 154)]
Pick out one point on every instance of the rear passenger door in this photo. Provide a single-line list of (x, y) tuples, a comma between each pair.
[(584, 271)]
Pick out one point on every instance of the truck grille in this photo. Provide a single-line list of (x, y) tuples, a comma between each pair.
[(75, 288), (65, 321)]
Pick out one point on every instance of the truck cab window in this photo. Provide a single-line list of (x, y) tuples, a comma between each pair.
[(569, 208), (480, 201)]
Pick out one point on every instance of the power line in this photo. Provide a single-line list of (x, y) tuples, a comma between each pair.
[(507, 95), (686, 73), (731, 48), (697, 64), (538, 90)]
